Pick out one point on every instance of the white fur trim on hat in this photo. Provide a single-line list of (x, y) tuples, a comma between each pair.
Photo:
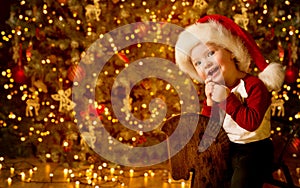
[(273, 76)]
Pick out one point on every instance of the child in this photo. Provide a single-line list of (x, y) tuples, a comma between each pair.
[(218, 52)]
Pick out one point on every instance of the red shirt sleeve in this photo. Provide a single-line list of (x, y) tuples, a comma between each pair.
[(250, 113), (206, 110)]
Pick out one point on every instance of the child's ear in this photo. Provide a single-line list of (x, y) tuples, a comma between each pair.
[(232, 56)]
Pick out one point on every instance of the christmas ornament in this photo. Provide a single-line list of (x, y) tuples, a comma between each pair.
[(251, 2), (277, 105), (92, 112), (124, 13), (141, 140), (295, 145), (123, 57), (242, 19), (88, 137), (202, 4), (115, 1), (100, 109), (93, 11), (74, 44), (294, 49), (63, 45), (75, 56), (62, 1), (76, 73), (28, 50), (281, 51), (55, 156), (16, 52), (291, 73), (33, 103), (64, 102), (18, 73), (12, 17), (40, 85)]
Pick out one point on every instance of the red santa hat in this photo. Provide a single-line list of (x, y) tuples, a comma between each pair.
[(224, 32)]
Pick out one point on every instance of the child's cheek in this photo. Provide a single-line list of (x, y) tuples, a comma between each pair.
[(202, 75)]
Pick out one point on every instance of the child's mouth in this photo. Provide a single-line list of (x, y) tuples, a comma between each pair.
[(212, 71)]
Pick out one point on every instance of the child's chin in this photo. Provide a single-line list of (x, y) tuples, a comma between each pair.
[(219, 79)]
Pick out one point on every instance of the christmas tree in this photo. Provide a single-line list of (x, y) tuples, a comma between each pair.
[(46, 46)]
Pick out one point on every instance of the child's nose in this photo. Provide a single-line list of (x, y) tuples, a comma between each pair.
[(208, 64)]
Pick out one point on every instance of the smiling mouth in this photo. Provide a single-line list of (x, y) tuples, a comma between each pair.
[(212, 71)]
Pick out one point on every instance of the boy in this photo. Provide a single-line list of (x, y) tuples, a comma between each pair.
[(217, 52)]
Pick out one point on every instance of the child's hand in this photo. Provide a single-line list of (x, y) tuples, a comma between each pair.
[(215, 92), (208, 93)]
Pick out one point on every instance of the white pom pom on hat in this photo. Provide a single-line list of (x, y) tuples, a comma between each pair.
[(223, 31)]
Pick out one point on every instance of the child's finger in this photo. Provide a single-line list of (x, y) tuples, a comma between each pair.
[(209, 79), (209, 87)]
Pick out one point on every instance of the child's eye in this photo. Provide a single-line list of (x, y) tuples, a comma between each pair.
[(210, 53), (197, 63)]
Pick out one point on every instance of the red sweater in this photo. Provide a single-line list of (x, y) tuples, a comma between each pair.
[(249, 112)]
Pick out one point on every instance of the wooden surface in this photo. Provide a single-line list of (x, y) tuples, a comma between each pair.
[(210, 166)]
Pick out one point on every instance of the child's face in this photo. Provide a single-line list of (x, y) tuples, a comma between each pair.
[(213, 62)]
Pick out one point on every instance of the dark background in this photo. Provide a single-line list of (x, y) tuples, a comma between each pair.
[(5, 56)]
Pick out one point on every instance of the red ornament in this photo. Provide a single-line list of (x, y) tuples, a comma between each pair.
[(62, 1), (295, 145), (93, 112), (18, 74), (142, 139), (251, 2), (123, 57), (291, 74), (76, 73), (100, 109)]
